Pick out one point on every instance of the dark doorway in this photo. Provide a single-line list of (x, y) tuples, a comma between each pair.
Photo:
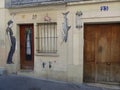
[(27, 46)]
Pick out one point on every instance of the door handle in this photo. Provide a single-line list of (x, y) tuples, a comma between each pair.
[(108, 63)]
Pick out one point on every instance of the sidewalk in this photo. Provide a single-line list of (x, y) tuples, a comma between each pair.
[(14, 82), (109, 86)]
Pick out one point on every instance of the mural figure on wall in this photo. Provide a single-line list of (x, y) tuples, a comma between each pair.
[(65, 27), (12, 40)]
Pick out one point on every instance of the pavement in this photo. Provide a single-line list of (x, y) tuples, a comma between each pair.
[(16, 82)]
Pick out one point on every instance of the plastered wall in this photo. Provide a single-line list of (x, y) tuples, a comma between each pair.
[(68, 63), (2, 34), (2, 3)]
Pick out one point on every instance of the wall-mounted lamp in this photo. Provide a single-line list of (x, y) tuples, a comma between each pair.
[(78, 19)]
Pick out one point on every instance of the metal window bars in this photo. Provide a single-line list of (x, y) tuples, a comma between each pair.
[(47, 38)]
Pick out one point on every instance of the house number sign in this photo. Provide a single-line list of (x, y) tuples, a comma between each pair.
[(104, 8)]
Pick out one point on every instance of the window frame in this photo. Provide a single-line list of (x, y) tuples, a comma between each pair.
[(38, 52)]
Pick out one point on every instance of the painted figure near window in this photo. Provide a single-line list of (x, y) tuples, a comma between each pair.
[(12, 41)]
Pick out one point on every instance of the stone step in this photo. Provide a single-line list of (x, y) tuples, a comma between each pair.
[(26, 73), (11, 68), (3, 71)]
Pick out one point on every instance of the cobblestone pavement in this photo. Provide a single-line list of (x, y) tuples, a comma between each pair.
[(14, 82)]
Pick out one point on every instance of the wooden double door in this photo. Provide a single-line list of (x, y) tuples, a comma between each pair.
[(27, 46), (102, 53)]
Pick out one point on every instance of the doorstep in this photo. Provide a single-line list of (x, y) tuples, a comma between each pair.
[(3, 71), (26, 73), (109, 86)]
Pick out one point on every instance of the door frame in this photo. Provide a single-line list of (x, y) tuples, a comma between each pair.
[(18, 26)]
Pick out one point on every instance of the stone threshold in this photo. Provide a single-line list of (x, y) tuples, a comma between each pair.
[(114, 86)]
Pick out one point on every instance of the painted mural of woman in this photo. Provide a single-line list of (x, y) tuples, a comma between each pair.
[(12, 41)]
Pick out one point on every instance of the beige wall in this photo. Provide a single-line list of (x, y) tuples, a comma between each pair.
[(67, 64), (91, 14), (2, 34), (2, 3), (2, 38)]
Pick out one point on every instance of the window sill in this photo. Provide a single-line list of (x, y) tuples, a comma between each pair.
[(47, 54)]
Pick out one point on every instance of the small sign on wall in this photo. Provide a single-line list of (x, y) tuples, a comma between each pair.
[(104, 8)]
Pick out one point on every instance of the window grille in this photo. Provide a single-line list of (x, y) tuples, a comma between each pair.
[(47, 38)]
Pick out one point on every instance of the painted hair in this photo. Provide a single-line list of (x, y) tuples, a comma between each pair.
[(10, 22)]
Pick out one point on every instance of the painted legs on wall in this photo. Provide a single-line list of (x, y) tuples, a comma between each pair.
[(12, 50)]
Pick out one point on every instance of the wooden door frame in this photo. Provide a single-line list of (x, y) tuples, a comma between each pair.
[(20, 42)]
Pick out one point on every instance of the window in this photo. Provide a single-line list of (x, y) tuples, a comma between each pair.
[(47, 38)]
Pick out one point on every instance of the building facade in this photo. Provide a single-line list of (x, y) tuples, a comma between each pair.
[(91, 52), (2, 34)]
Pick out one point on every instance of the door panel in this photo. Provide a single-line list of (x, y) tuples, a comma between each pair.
[(89, 52), (101, 72), (89, 72), (27, 46), (115, 43), (115, 54), (102, 53), (115, 72), (103, 39)]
